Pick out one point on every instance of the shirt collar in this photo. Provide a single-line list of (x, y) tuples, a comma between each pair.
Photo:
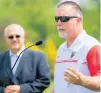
[(76, 42), (12, 54)]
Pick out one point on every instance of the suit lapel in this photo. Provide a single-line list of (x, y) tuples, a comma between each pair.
[(23, 60), (7, 64), (7, 70)]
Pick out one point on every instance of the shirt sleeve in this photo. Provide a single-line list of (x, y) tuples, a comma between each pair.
[(93, 60)]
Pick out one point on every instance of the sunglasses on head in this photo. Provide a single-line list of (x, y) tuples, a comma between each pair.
[(11, 37), (64, 18)]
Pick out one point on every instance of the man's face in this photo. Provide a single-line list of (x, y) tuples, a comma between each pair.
[(67, 28), (15, 38)]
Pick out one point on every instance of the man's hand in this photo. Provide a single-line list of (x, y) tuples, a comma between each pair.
[(12, 89), (73, 76)]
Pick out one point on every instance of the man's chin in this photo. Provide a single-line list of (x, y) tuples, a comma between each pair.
[(63, 35), (15, 48)]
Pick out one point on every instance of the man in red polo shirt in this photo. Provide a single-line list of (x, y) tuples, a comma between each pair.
[(77, 68)]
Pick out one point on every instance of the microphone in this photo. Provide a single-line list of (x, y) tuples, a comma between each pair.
[(38, 43), (7, 72)]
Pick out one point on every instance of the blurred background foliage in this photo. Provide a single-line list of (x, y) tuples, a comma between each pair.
[(37, 18)]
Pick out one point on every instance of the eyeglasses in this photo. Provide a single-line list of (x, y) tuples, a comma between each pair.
[(64, 18), (11, 37)]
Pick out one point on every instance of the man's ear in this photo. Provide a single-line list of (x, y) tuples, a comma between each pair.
[(79, 20)]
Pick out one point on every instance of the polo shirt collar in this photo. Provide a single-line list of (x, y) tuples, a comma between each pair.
[(76, 42)]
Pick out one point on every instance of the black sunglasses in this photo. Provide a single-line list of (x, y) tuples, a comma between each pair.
[(11, 37), (64, 18)]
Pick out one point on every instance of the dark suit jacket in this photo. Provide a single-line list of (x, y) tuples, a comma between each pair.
[(32, 73)]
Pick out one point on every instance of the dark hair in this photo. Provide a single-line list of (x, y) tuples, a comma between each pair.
[(74, 5)]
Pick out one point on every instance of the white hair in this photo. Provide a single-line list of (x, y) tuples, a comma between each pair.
[(9, 27), (77, 10)]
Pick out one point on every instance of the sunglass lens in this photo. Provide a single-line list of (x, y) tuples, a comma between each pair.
[(64, 19), (10, 37), (56, 18), (17, 36)]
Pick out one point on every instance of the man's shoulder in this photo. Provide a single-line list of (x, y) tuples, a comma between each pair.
[(35, 55), (35, 52), (91, 41), (3, 54)]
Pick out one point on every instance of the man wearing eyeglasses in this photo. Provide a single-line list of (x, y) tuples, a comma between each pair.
[(31, 72), (77, 68)]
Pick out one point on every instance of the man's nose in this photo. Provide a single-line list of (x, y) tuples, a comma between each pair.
[(59, 23), (14, 38)]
